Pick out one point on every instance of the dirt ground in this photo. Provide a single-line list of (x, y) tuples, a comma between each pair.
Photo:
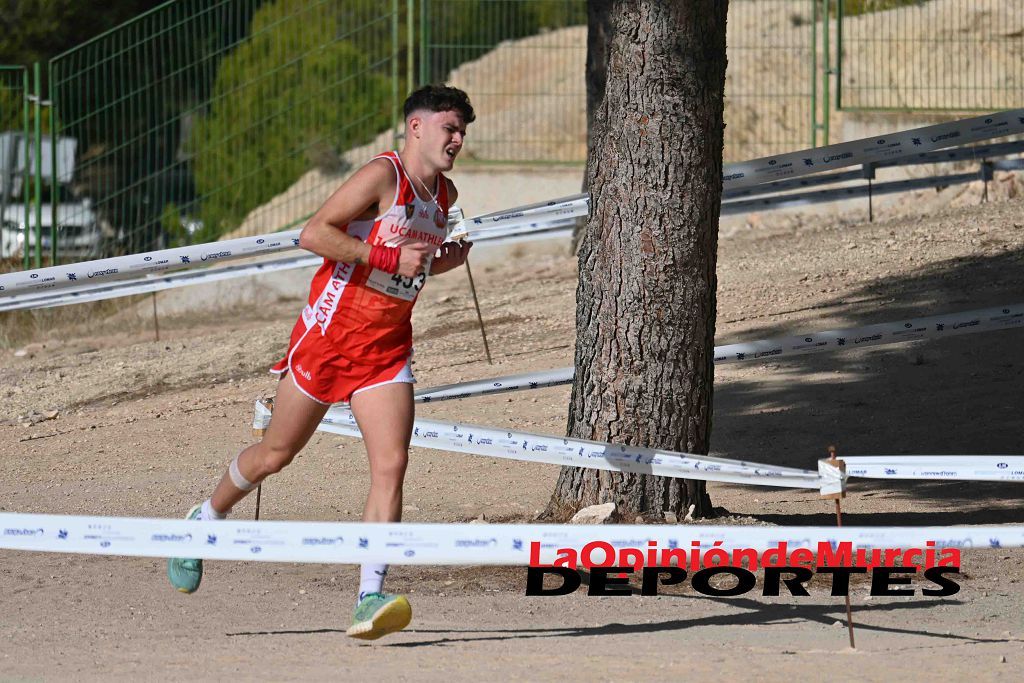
[(144, 428)]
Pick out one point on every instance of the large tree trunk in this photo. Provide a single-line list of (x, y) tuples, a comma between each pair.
[(645, 317)]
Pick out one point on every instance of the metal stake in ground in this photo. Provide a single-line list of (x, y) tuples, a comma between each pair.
[(156, 321), (480, 318), (832, 460), (868, 171), (258, 433)]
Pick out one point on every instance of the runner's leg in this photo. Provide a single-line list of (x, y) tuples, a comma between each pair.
[(293, 422), (295, 418), (385, 417)]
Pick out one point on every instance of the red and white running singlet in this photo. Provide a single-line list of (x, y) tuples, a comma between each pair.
[(360, 315)]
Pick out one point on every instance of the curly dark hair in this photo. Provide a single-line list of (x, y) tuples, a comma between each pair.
[(440, 98)]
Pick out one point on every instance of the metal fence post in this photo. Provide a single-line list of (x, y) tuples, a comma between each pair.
[(826, 71), (54, 178), (37, 198), (814, 73), (424, 37), (839, 54), (25, 177), (410, 48), (394, 74)]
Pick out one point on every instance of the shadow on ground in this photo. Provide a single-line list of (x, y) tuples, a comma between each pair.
[(955, 396), (751, 613)]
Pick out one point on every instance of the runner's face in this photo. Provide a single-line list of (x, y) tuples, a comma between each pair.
[(441, 137)]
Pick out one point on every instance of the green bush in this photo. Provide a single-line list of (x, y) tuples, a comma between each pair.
[(313, 80), (290, 97), (11, 108), (12, 103)]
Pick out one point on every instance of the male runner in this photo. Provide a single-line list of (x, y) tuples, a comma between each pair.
[(378, 234)]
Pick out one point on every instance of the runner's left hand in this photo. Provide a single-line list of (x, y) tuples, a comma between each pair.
[(453, 255)]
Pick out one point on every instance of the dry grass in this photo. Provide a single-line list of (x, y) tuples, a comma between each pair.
[(18, 328)]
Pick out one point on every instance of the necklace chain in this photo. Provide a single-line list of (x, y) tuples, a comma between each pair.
[(433, 197)]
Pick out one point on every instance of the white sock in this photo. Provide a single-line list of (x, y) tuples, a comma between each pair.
[(371, 578), (207, 513)]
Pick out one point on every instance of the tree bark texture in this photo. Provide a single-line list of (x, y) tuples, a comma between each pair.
[(645, 318)]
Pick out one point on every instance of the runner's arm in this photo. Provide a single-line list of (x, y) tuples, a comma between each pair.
[(361, 196)]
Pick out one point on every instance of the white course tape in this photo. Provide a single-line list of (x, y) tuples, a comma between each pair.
[(532, 236), (840, 193), (912, 329), (106, 271), (497, 385), (786, 185), (154, 283), (523, 227), (874, 149), (735, 176), (562, 202), (564, 213), (898, 332), (440, 544), (121, 267), (975, 153), (551, 450), (833, 477), (112, 290), (518, 445), (953, 467), (492, 442)]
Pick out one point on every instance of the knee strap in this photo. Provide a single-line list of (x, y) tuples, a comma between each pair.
[(236, 477)]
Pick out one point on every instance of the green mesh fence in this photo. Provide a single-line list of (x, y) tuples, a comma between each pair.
[(15, 187), (960, 55), (211, 118), (775, 51), (522, 61), (208, 118)]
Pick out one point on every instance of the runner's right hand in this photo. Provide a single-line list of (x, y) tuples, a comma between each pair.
[(413, 259)]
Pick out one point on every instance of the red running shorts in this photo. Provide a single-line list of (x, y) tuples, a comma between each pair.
[(326, 376)]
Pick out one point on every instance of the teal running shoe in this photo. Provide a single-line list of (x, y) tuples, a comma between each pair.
[(379, 614), (185, 574)]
